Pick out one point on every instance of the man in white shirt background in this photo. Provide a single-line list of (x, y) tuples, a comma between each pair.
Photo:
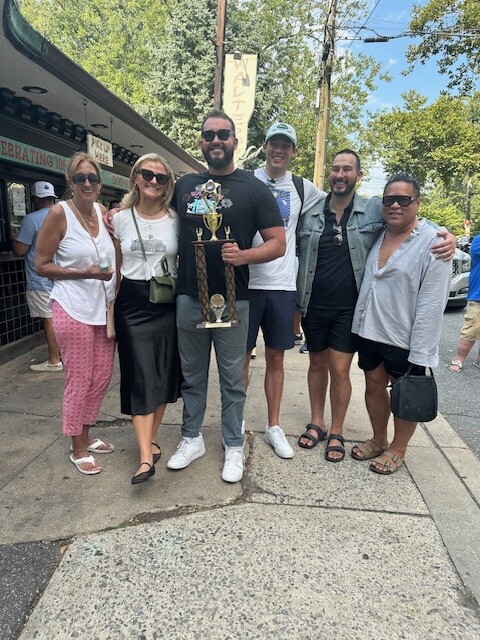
[(273, 285)]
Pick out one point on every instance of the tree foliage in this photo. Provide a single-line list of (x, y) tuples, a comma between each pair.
[(451, 30), (160, 58), (439, 144), (111, 39)]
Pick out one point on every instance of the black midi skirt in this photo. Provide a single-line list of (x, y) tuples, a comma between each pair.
[(147, 348)]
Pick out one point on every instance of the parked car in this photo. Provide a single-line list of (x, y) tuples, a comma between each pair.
[(460, 274), (463, 243)]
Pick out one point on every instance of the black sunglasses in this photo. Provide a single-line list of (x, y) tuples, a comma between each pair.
[(81, 178), (148, 175), (222, 134), (338, 237), (403, 201)]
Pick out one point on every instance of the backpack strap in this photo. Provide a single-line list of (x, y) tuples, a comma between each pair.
[(300, 187)]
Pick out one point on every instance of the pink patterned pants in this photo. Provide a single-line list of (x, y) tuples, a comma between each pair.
[(87, 356)]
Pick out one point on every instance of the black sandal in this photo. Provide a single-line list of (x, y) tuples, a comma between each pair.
[(145, 475), (314, 441), (335, 447), (157, 456)]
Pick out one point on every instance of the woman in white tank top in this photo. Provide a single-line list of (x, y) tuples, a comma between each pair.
[(70, 246)]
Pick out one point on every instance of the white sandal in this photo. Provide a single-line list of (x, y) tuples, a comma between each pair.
[(456, 363), (89, 459), (94, 447)]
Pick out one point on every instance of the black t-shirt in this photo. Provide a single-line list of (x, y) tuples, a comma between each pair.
[(334, 283), (247, 206)]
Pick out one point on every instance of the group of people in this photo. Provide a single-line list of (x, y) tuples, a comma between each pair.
[(366, 275)]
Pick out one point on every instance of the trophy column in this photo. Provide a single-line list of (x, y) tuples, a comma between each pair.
[(211, 194)]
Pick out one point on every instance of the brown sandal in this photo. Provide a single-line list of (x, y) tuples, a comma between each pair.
[(335, 447), (390, 463), (369, 449), (312, 440)]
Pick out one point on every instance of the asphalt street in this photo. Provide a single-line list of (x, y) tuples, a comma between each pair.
[(459, 393)]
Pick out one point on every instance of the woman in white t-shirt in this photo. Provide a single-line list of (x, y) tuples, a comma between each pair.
[(146, 332), (69, 247)]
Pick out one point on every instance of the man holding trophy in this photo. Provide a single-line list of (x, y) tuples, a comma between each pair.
[(220, 211)]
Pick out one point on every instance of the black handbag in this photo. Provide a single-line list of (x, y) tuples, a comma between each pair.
[(163, 289), (414, 398)]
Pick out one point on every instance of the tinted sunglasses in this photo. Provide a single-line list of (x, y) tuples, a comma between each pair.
[(148, 175), (222, 134), (81, 178), (403, 201), (338, 237)]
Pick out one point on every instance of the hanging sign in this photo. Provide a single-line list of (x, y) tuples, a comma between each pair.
[(100, 149)]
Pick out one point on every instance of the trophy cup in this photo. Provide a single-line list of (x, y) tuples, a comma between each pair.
[(211, 194)]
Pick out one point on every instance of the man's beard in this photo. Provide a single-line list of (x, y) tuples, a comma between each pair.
[(348, 188), (219, 163)]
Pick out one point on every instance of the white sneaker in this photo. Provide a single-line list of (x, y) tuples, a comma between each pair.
[(275, 437), (46, 366), (233, 466), (188, 450)]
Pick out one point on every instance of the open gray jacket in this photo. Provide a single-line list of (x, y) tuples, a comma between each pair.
[(363, 226)]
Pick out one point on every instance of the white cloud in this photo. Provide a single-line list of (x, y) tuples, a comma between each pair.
[(392, 61)]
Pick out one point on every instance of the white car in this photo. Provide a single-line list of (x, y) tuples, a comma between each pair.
[(460, 274)]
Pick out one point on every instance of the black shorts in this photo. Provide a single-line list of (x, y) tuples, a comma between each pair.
[(329, 328), (395, 359), (274, 312)]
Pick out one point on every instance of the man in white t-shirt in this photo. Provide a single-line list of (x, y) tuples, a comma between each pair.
[(272, 285)]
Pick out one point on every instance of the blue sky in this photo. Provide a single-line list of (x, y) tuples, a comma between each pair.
[(390, 18)]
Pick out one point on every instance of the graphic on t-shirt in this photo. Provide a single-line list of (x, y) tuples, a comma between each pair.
[(283, 200), (151, 245), (199, 206)]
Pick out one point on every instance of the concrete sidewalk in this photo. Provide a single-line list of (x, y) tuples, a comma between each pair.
[(300, 549)]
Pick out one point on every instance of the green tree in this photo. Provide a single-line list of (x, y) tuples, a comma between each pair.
[(450, 30), (160, 58), (112, 39), (437, 142), (440, 145)]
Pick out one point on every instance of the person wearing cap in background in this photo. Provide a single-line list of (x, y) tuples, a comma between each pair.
[(272, 284), (38, 288)]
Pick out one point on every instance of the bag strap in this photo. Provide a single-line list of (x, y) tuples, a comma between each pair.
[(300, 187), (407, 373), (138, 234), (164, 265)]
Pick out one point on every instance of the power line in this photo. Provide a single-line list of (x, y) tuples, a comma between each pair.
[(366, 20)]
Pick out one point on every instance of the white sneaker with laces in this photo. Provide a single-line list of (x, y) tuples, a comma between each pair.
[(46, 366), (188, 450), (233, 466), (275, 437)]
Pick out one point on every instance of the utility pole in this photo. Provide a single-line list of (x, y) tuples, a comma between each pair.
[(219, 47), (324, 96)]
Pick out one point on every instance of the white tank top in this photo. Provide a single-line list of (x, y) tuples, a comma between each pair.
[(84, 299)]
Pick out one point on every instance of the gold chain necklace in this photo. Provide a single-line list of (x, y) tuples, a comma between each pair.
[(91, 219), (150, 215)]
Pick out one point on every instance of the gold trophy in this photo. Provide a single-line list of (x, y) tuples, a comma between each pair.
[(211, 193)]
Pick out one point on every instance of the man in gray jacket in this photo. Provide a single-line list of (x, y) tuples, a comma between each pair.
[(334, 240)]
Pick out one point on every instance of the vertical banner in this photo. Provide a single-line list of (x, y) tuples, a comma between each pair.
[(240, 78)]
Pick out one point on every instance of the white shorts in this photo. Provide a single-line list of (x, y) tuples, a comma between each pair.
[(39, 304)]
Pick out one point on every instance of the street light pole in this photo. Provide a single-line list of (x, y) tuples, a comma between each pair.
[(219, 49), (324, 96)]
